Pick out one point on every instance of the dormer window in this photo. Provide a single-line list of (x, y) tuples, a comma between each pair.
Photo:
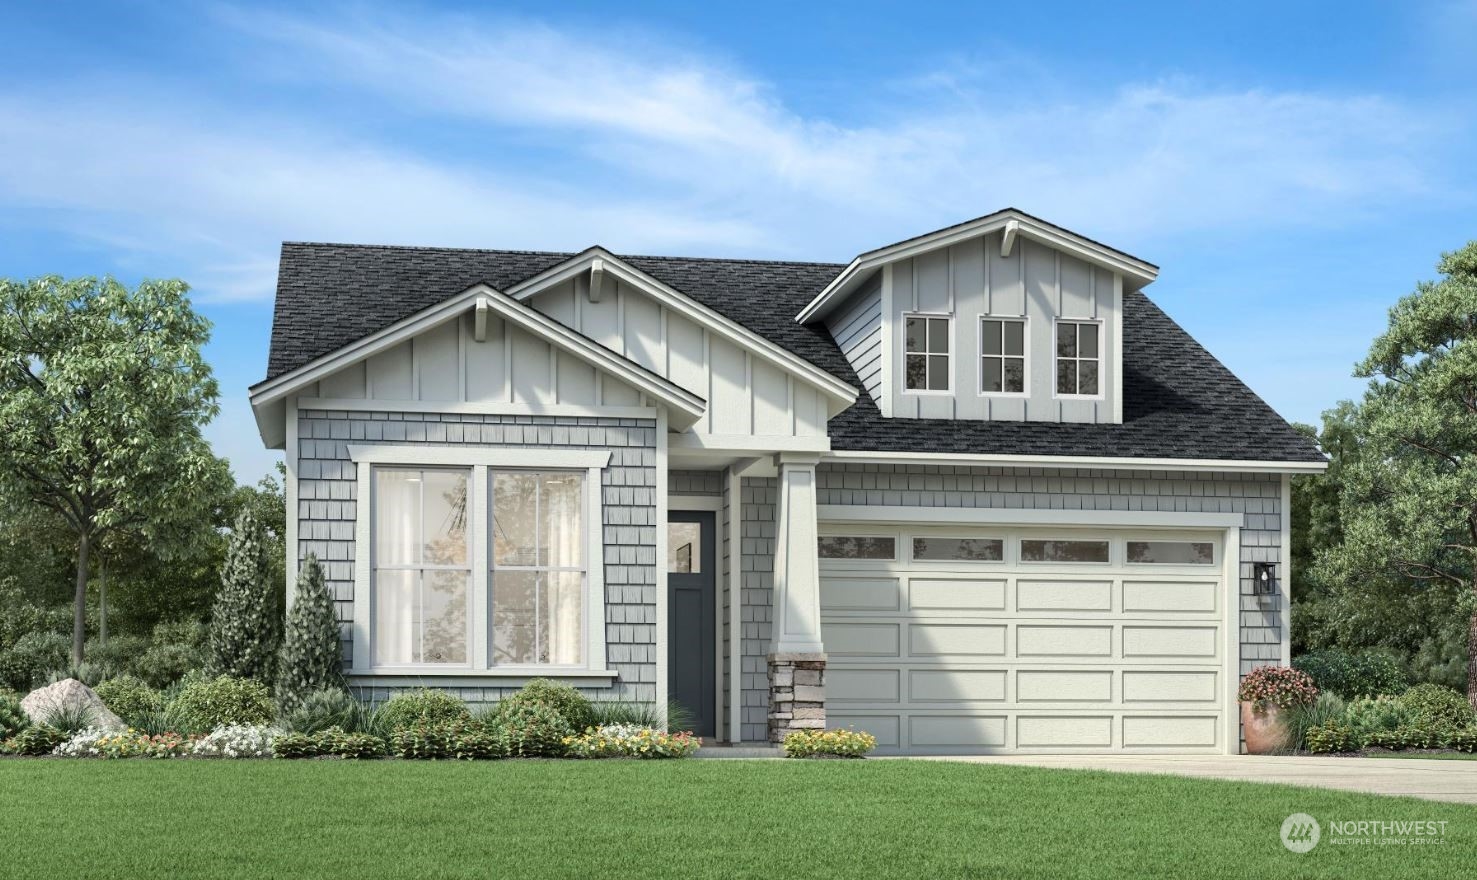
[(1078, 359), (1002, 355), (926, 356)]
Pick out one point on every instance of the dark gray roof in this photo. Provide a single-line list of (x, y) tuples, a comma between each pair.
[(1179, 401)]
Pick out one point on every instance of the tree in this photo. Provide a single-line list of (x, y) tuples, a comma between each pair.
[(245, 624), (1408, 504), (103, 394), (311, 657)]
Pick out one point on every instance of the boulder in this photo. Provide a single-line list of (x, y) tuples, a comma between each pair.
[(71, 695)]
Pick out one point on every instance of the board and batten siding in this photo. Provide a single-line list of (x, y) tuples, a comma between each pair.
[(327, 507), (857, 329), (1257, 497), (746, 395), (970, 280)]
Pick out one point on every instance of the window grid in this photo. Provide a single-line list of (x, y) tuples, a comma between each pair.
[(1003, 355), (926, 357), (540, 583), (420, 567), (1078, 359)]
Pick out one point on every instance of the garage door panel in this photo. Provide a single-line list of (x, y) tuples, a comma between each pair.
[(1171, 597), (1142, 686), (1169, 641), (956, 685), (849, 685), (1064, 731), (956, 639), (860, 594), (952, 731), (848, 639), (1164, 731), (1070, 686), (1043, 595), (884, 727), (1037, 640), (928, 594)]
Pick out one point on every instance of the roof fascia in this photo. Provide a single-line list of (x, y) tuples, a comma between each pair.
[(1194, 465)]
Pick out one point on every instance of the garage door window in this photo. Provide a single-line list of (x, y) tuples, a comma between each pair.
[(1171, 552), (1064, 551), (857, 547), (959, 549)]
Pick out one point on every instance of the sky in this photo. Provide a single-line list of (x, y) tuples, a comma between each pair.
[(1293, 169)]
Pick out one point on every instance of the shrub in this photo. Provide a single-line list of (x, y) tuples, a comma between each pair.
[(244, 623), (1367, 673), (424, 740), (296, 745), (568, 702), (1326, 738), (68, 717), (1464, 740), (320, 710), (37, 740), (1393, 739), (311, 657), (12, 718), (410, 707), (119, 654), (530, 729), (204, 705), (129, 698), (1432, 706), (623, 741), (89, 673), (1278, 686), (828, 743), (176, 649), (1369, 715), (341, 744), (1327, 709), (25, 663), (237, 741)]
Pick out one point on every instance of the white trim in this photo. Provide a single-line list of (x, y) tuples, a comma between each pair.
[(689, 308), (488, 456), (1056, 322), (662, 642), (1117, 349), (290, 447), (509, 677), (1030, 227), (1184, 465), (1284, 574), (884, 383), (979, 361), (735, 605), (1007, 241), (355, 404), (709, 504), (1231, 671), (948, 318), (846, 513), (693, 440)]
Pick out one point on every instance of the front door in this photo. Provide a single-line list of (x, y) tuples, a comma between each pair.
[(691, 661)]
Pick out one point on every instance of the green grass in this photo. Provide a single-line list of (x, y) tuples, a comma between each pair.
[(1428, 756), (677, 819)]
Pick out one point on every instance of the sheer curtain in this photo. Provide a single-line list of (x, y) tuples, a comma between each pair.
[(397, 516), (562, 534)]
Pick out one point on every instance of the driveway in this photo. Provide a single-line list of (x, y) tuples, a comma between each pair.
[(1454, 781)]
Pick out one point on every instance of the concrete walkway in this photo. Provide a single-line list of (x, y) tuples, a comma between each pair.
[(1454, 781)]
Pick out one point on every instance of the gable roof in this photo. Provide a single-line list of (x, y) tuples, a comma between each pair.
[(1179, 401)]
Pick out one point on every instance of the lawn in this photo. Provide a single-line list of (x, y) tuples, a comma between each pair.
[(677, 819)]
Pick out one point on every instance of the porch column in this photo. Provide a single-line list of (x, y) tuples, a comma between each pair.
[(797, 659)]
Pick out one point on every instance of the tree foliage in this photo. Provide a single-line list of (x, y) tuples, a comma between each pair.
[(311, 656), (103, 394), (245, 624), (1407, 512)]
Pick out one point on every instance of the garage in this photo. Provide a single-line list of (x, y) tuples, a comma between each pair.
[(1029, 639)]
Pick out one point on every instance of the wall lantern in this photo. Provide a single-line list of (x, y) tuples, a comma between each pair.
[(1264, 575)]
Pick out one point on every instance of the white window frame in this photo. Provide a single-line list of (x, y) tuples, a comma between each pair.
[(1020, 555), (1101, 359), (481, 461), (979, 378), (952, 353)]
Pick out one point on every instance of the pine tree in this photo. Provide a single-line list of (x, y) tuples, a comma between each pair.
[(311, 657), (245, 626)]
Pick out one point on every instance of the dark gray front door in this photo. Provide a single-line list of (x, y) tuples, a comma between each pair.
[(691, 661)]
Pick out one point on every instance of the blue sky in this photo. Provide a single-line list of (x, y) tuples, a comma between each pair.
[(1293, 168)]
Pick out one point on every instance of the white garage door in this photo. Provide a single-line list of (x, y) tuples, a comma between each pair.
[(1018, 639)]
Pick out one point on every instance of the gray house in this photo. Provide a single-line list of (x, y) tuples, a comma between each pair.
[(972, 491)]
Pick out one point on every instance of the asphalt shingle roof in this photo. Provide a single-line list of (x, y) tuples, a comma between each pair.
[(1179, 401)]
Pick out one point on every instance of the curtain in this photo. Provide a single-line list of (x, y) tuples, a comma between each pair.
[(563, 535), (397, 515)]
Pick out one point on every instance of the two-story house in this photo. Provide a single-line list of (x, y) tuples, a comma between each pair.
[(972, 491)]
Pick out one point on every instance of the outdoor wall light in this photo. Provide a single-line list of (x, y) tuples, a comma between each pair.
[(1264, 574)]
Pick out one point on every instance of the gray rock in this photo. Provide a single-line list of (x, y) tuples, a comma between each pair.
[(69, 695)]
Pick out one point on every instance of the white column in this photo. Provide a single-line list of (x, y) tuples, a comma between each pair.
[(797, 581)]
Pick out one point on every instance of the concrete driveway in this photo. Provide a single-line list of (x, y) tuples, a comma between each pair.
[(1454, 781)]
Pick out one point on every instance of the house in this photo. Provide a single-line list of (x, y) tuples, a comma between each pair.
[(972, 491)]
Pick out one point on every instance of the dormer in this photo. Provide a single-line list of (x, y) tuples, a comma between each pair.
[(1003, 318)]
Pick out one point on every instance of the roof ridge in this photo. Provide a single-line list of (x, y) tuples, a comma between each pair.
[(537, 253)]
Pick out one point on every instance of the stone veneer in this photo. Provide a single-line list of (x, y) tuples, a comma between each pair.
[(797, 694)]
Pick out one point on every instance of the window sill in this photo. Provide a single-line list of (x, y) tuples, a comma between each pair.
[(504, 677)]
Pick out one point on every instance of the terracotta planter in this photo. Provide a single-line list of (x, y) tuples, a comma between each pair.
[(1263, 731)]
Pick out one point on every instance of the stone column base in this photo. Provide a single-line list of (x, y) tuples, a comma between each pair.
[(797, 694)]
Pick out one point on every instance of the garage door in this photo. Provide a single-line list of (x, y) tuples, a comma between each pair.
[(996, 640)]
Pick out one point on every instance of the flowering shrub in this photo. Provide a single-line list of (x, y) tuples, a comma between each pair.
[(1278, 686), (838, 743), (237, 741), (630, 741), (33, 741), (97, 743)]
